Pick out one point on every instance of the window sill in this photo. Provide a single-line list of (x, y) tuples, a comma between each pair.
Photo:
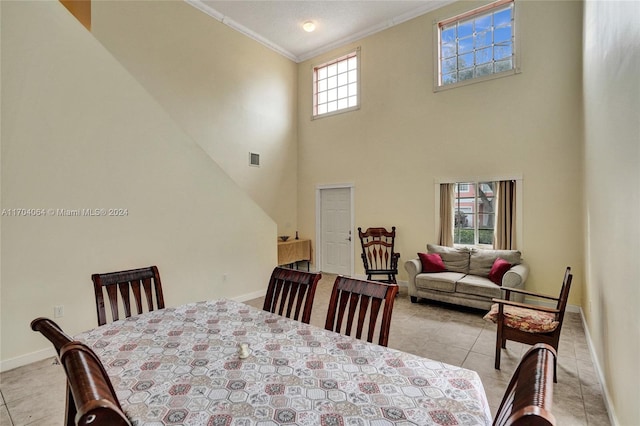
[(475, 246), (437, 88), (338, 112)]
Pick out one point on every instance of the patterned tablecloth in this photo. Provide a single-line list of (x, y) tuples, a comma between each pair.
[(181, 366)]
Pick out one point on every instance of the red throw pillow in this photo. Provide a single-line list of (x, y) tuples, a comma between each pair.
[(431, 262), (499, 268)]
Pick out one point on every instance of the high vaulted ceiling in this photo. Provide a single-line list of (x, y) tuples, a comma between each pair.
[(278, 24)]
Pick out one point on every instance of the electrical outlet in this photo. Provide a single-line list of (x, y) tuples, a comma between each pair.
[(225, 277), (58, 311)]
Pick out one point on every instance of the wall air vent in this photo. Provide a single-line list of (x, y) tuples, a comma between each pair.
[(254, 159)]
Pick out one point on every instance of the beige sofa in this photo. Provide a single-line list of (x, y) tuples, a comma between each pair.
[(466, 278)]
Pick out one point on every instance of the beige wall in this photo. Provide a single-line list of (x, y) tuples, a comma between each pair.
[(405, 137), (230, 94), (79, 132), (612, 195)]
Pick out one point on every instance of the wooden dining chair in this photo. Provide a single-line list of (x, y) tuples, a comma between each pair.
[(528, 398), (91, 399), (95, 400), (293, 290), (58, 338), (51, 331), (528, 323), (378, 255), (361, 300), (129, 282)]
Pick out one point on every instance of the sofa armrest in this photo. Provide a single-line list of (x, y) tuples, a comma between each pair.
[(413, 267), (515, 278)]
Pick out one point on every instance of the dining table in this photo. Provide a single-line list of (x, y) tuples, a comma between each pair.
[(222, 362)]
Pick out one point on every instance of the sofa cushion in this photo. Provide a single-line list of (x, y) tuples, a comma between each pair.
[(454, 259), (478, 286), (431, 262), (481, 261), (527, 320), (440, 281), (499, 268)]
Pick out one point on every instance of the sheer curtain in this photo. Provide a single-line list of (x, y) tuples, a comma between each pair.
[(446, 214), (505, 216)]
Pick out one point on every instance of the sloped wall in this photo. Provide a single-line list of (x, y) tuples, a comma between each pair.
[(231, 94), (78, 132)]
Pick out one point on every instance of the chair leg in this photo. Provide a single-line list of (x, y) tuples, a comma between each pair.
[(498, 353), (555, 367), (70, 415)]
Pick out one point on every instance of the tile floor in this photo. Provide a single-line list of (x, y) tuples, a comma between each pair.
[(35, 394)]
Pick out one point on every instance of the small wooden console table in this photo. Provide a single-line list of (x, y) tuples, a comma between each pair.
[(292, 251)]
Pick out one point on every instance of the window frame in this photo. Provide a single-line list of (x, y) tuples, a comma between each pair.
[(476, 211), (520, 198), (466, 15), (314, 93)]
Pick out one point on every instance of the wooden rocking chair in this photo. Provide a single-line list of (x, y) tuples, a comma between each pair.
[(378, 254)]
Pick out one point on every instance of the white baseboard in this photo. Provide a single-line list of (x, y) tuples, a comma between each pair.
[(570, 308), (596, 363), (249, 296), (22, 360)]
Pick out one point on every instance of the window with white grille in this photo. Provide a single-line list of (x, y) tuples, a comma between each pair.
[(478, 44), (335, 85), (474, 206)]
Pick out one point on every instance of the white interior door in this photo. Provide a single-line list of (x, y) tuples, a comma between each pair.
[(336, 241)]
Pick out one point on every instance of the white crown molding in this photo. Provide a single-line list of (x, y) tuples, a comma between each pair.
[(240, 28), (375, 29), (433, 5)]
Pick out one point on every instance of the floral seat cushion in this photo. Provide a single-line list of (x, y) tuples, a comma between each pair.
[(527, 320)]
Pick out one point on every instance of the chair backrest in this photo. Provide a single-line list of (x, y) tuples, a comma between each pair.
[(51, 331), (293, 290), (95, 400), (361, 300), (91, 399), (564, 293), (529, 395), (378, 249), (131, 281)]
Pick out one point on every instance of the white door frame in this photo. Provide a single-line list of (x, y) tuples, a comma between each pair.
[(319, 188)]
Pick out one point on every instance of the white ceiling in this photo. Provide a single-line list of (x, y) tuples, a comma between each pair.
[(278, 24)]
